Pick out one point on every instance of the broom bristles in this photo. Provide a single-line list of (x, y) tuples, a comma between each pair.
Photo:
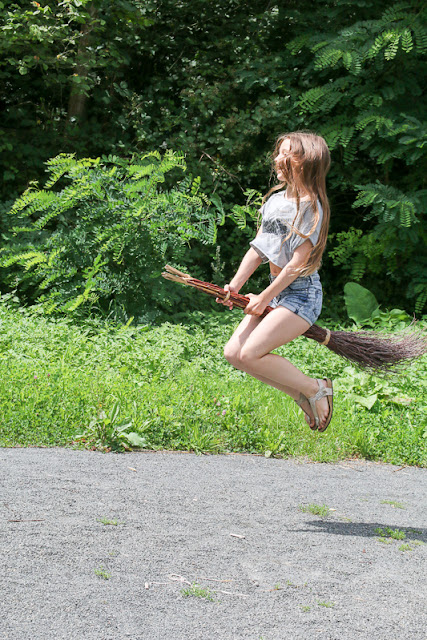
[(374, 350), (368, 349)]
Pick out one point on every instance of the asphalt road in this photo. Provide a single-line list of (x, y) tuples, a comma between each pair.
[(234, 533)]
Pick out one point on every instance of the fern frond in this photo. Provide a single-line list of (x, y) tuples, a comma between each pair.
[(328, 58), (420, 38), (295, 45), (34, 261), (23, 258), (388, 204), (26, 199), (421, 300), (59, 166)]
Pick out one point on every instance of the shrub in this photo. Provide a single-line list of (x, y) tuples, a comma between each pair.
[(101, 239)]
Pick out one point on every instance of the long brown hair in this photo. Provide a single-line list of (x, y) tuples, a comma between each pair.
[(305, 169)]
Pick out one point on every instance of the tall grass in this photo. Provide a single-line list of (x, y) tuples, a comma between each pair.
[(178, 392)]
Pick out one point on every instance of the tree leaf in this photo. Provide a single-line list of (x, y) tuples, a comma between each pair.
[(360, 303)]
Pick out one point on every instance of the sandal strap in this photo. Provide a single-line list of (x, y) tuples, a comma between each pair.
[(323, 391), (312, 402), (302, 398)]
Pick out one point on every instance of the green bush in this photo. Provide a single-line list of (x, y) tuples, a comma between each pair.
[(100, 240)]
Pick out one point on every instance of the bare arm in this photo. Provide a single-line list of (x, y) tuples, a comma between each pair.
[(250, 262)]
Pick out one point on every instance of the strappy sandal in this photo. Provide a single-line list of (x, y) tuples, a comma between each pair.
[(324, 390), (302, 398)]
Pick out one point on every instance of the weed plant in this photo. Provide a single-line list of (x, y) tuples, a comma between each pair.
[(198, 592), (316, 509), (394, 534), (175, 390), (387, 535), (102, 573), (394, 504)]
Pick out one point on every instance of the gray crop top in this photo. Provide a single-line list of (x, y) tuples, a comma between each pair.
[(278, 214)]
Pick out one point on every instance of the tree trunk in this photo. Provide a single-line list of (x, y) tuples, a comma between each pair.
[(77, 99)]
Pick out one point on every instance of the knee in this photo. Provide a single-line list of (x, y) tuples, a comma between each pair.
[(247, 356), (232, 355)]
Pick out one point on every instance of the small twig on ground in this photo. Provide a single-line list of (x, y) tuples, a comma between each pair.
[(231, 593), (214, 579), (352, 468), (175, 577), (25, 520)]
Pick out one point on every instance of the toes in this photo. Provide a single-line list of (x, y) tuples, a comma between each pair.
[(323, 422), (309, 421)]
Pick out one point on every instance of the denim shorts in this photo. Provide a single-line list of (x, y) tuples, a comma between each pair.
[(303, 296)]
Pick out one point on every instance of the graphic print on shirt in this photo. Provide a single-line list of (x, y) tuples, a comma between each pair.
[(278, 220)]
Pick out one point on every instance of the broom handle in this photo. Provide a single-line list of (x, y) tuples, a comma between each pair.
[(170, 269)]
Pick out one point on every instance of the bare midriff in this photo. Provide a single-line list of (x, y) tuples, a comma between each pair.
[(274, 269)]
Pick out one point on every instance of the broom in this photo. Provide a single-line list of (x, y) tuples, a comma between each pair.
[(368, 349)]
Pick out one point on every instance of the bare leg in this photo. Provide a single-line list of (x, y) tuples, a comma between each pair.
[(232, 353), (293, 393), (250, 346)]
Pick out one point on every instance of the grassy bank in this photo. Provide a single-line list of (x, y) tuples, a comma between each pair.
[(176, 391)]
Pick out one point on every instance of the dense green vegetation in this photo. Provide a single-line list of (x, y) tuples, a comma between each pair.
[(102, 240), (136, 133), (175, 391), (218, 81)]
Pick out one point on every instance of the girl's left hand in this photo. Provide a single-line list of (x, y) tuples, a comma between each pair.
[(256, 306)]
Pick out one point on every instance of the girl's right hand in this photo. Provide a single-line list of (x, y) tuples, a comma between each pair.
[(228, 304)]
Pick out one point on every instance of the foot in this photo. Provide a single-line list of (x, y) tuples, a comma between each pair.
[(322, 405)]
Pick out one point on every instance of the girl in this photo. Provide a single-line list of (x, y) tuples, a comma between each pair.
[(292, 238)]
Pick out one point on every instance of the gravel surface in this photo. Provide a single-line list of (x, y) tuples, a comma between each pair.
[(231, 525)]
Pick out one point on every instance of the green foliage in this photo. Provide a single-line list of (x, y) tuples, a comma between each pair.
[(106, 521), (110, 433), (240, 213), (54, 54), (360, 302), (394, 504), (375, 129), (362, 307), (175, 387), (394, 534), (398, 239), (101, 78), (316, 509), (196, 591), (101, 238), (102, 573)]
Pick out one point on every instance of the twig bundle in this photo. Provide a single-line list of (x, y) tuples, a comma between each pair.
[(368, 349)]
